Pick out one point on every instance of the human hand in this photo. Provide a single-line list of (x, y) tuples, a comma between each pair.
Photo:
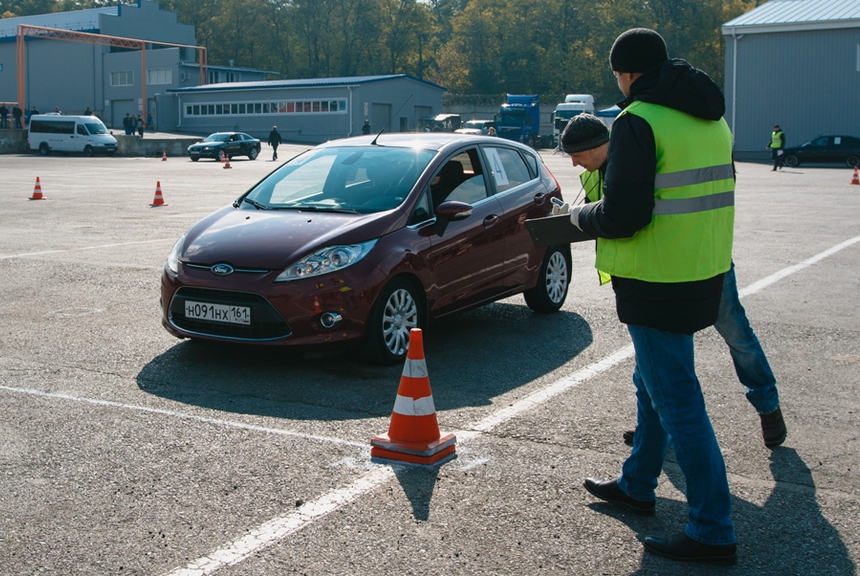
[(574, 215), (562, 209)]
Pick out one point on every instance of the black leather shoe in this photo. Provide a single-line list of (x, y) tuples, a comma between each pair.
[(682, 547), (628, 436), (773, 428), (610, 492)]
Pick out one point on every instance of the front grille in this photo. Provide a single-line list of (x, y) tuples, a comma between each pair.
[(266, 322)]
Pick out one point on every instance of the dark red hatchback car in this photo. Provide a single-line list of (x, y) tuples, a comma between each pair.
[(356, 241)]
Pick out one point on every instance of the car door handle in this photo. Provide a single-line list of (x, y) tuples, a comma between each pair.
[(491, 221), (540, 198)]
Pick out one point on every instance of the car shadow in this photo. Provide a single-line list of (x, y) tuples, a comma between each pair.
[(471, 358)]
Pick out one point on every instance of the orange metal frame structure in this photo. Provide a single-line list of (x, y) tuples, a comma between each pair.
[(103, 40)]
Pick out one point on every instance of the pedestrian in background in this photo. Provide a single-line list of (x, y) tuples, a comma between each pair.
[(777, 147), (4, 116), (365, 128), (17, 113), (274, 142), (664, 230)]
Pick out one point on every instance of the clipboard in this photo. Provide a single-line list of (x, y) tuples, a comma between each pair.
[(555, 230)]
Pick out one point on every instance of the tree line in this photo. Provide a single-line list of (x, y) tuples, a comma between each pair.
[(475, 48)]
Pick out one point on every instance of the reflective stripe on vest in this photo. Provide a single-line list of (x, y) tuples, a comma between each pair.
[(690, 234), (592, 183)]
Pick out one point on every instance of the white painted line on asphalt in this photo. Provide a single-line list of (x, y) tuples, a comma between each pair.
[(64, 250), (279, 528), (183, 416), (779, 275)]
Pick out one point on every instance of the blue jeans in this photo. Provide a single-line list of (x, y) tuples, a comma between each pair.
[(670, 403), (750, 362)]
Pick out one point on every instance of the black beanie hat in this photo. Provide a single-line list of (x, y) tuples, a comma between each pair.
[(637, 50), (583, 132)]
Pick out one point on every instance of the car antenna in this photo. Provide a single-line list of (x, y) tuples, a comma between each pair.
[(389, 120)]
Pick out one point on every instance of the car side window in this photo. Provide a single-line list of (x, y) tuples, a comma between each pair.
[(819, 141), (507, 167), (461, 178), (421, 212)]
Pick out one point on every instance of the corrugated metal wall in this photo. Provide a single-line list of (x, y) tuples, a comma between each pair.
[(806, 81)]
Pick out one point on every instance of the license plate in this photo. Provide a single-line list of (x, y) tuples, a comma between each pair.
[(218, 312)]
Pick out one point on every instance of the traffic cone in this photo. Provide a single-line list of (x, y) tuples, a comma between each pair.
[(37, 191), (855, 180), (413, 434), (159, 199), (227, 164), (164, 156)]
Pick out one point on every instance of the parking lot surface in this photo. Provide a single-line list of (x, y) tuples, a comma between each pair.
[(126, 451)]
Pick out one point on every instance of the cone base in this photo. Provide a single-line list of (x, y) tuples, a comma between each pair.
[(440, 457), (36, 198), (420, 449), (157, 205)]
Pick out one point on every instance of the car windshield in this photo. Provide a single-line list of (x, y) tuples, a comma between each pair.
[(352, 179), (217, 138), (95, 127), (478, 124)]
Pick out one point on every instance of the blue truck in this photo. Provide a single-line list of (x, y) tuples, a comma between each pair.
[(519, 119)]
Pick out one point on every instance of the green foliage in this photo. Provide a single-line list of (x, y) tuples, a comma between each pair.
[(478, 47)]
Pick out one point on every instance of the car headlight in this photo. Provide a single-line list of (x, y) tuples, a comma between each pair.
[(173, 259), (329, 259)]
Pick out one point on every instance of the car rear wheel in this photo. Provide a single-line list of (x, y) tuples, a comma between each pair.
[(551, 290), (44, 149), (791, 160), (395, 313), (853, 161), (252, 154)]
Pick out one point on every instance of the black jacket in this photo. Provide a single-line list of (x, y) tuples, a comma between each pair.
[(628, 200)]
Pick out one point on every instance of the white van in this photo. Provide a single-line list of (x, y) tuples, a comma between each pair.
[(56, 132)]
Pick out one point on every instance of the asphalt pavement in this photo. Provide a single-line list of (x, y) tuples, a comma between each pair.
[(124, 451)]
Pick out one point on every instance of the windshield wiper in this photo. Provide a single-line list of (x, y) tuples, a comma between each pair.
[(307, 208), (253, 203)]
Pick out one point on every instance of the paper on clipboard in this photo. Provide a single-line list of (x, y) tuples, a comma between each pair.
[(555, 230)]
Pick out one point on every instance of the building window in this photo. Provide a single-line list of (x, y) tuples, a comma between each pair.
[(122, 78), (163, 76), (268, 108)]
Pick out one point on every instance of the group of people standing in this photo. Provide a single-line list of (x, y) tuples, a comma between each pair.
[(134, 123), (17, 115), (660, 192)]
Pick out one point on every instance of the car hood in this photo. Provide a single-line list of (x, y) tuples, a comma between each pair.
[(262, 239)]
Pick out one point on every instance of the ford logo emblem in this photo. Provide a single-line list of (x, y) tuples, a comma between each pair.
[(222, 269)]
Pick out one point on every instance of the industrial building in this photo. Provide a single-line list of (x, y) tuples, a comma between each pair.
[(795, 63), (138, 59)]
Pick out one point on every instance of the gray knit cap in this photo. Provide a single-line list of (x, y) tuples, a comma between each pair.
[(583, 132)]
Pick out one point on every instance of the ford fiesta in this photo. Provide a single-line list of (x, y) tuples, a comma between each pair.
[(356, 241)]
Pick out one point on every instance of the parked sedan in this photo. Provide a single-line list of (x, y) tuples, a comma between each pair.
[(230, 143), (356, 241), (825, 149)]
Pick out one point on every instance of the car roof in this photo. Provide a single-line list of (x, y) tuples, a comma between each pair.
[(426, 140)]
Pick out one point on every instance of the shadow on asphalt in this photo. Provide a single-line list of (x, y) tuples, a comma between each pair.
[(788, 534), (471, 358)]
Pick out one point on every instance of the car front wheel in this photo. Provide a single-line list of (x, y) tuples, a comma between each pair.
[(395, 313), (853, 161), (791, 160), (553, 283), (253, 153)]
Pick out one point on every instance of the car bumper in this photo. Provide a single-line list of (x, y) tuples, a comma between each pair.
[(281, 313)]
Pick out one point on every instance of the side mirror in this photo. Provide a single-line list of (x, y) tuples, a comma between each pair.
[(448, 212)]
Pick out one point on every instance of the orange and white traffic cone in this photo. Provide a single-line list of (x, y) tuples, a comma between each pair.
[(855, 180), (159, 199), (37, 191), (227, 164), (413, 434), (164, 156)]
